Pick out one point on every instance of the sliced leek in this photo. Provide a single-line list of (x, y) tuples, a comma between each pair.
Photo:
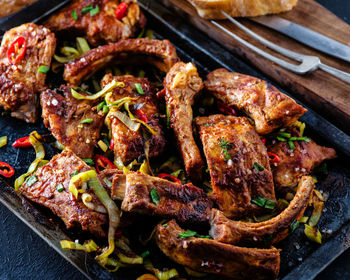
[(88, 246), (3, 141), (99, 94)]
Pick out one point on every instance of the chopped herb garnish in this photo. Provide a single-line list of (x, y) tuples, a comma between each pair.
[(139, 89), (300, 139), (75, 15), (88, 161), (87, 121), (60, 188), (145, 254), (43, 69), (270, 204), (31, 180), (294, 225), (86, 9), (100, 106), (206, 125), (226, 154), (76, 172), (149, 34), (94, 11), (207, 170), (264, 202), (225, 144), (203, 236), (284, 134), (291, 145), (187, 233), (105, 109), (165, 225), (258, 167), (279, 138), (155, 196)]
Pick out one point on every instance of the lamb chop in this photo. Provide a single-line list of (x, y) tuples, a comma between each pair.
[(263, 233), (128, 144), (25, 57), (98, 21), (65, 116), (238, 164), (224, 260), (150, 195), (266, 105), (181, 84), (162, 54)]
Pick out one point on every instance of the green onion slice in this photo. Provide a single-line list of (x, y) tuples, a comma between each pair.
[(75, 15), (187, 233), (154, 196), (291, 145), (86, 9), (94, 11), (43, 69), (60, 187), (264, 202), (258, 167), (86, 121), (294, 226), (88, 161), (139, 88)]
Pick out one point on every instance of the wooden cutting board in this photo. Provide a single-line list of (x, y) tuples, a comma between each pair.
[(325, 94)]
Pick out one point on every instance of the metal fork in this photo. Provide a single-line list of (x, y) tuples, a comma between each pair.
[(308, 63)]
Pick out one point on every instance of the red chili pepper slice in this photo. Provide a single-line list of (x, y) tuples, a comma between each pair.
[(169, 177), (141, 115), (263, 139), (103, 162), (17, 50), (22, 143), (6, 170), (111, 145), (223, 108), (120, 11), (273, 157), (161, 94)]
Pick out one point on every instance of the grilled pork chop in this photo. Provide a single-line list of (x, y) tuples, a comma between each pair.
[(63, 115), (206, 255), (186, 203), (162, 54), (181, 84), (266, 105), (128, 144), (20, 82), (100, 26), (238, 163), (263, 233), (44, 192)]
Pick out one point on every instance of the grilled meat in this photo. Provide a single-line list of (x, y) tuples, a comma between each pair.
[(205, 255), (20, 83), (186, 203), (63, 204), (160, 53), (63, 115), (238, 163), (101, 28), (181, 84), (295, 164), (266, 105), (263, 233), (128, 144)]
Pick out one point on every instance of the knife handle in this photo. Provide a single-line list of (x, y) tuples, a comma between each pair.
[(341, 75)]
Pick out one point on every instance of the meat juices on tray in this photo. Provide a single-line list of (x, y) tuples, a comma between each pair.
[(25, 57)]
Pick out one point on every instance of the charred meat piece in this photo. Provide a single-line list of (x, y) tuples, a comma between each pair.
[(128, 144), (162, 54), (238, 163), (186, 203), (97, 20), (206, 255), (266, 105), (181, 84), (24, 49), (294, 164), (263, 233), (45, 191), (63, 115)]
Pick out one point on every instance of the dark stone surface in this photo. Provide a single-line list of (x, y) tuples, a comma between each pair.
[(24, 255)]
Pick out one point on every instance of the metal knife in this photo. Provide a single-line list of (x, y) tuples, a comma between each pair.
[(306, 36)]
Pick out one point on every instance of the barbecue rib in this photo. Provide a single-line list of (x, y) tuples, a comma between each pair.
[(205, 255), (71, 211), (238, 163), (181, 84), (186, 203), (101, 28), (20, 83), (263, 233), (160, 53), (128, 144), (266, 105), (63, 114), (294, 164)]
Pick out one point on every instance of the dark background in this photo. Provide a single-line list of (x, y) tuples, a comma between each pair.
[(24, 255)]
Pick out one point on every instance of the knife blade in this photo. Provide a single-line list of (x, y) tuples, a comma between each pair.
[(306, 36)]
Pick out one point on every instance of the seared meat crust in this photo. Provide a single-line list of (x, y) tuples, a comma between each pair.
[(186, 203), (101, 28), (128, 144), (236, 232), (63, 204), (266, 105), (160, 53), (181, 84), (63, 114), (206, 255), (21, 83), (233, 149)]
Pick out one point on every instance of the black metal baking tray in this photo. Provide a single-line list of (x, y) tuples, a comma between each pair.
[(299, 259)]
